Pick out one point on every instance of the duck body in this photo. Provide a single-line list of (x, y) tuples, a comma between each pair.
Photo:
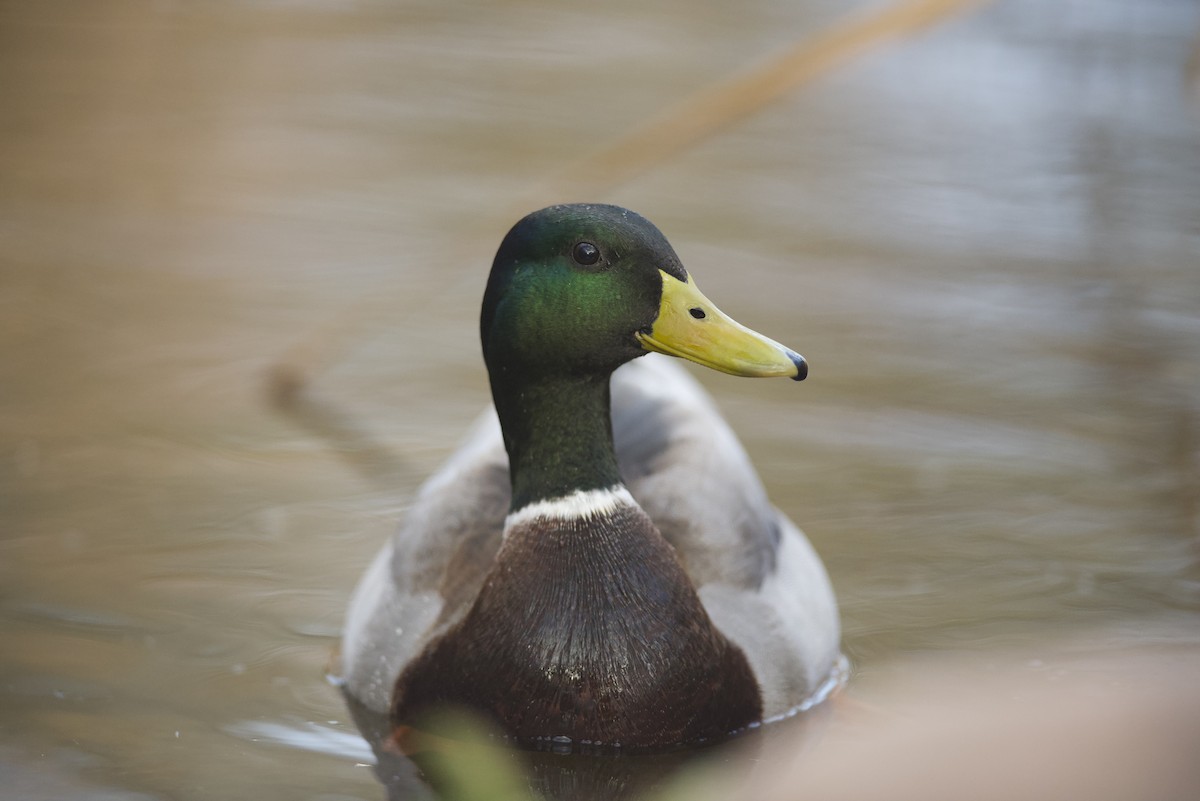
[(598, 561)]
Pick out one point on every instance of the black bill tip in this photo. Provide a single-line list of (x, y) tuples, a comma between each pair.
[(801, 366)]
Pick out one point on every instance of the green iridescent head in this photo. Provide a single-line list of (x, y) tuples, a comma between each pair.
[(581, 289)]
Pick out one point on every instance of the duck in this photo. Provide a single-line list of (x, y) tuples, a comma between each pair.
[(598, 563)]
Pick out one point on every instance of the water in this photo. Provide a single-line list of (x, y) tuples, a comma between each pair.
[(985, 239)]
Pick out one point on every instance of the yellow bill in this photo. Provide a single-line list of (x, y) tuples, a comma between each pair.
[(691, 327)]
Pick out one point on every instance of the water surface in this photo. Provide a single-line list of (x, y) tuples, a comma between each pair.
[(985, 239)]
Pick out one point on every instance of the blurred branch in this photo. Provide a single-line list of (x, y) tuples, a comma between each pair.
[(1192, 70), (719, 106), (690, 122), (360, 448)]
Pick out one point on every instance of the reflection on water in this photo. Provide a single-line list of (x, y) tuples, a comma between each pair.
[(985, 239), (457, 758)]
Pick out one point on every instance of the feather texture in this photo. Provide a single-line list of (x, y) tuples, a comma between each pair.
[(756, 575)]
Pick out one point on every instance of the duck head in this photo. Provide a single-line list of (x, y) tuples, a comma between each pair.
[(581, 289)]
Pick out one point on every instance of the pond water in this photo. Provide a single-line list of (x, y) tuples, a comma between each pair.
[(985, 237)]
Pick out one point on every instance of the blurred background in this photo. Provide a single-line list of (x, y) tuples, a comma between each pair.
[(984, 234)]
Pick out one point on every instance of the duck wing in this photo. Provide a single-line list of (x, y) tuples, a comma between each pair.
[(683, 464)]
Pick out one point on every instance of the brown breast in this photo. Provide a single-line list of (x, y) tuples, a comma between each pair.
[(588, 630)]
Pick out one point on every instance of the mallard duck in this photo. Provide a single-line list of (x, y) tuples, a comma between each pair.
[(598, 563)]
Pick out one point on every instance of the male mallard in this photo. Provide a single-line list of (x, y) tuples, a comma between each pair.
[(596, 571)]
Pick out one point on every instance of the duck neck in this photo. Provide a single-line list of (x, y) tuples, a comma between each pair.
[(558, 434)]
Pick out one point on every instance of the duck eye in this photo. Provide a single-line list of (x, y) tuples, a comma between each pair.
[(586, 253)]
